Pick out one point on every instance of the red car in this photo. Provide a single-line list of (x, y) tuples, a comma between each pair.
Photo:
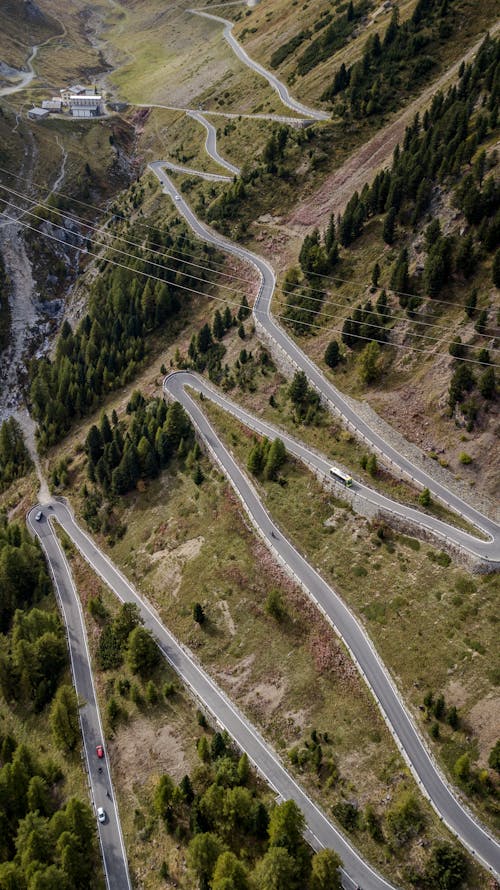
[(99, 751)]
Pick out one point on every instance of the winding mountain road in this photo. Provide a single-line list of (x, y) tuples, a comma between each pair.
[(321, 833), (432, 783), (110, 835), (211, 143), (273, 81), (488, 551)]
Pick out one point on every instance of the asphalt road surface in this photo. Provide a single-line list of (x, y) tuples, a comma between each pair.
[(487, 550), (321, 464), (273, 81), (113, 850), (398, 719), (321, 833), (201, 174), (211, 143)]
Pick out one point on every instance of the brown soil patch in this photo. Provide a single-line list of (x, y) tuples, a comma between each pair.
[(237, 677), (335, 191), (484, 719), (265, 698), (170, 563), (161, 746)]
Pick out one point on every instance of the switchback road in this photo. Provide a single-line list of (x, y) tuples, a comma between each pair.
[(321, 833), (273, 81), (113, 850), (398, 719), (489, 551)]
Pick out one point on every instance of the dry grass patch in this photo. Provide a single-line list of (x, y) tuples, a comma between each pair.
[(431, 622)]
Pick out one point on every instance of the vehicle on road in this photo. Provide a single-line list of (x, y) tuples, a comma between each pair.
[(337, 474), (177, 197), (101, 814), (39, 516), (99, 751)]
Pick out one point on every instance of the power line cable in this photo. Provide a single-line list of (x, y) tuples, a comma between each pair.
[(387, 315), (332, 278), (316, 313), (257, 312)]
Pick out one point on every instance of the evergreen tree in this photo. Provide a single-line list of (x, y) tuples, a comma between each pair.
[(64, 721), (218, 326), (298, 389), (198, 613), (495, 274), (244, 310), (142, 652), (204, 340), (388, 231), (332, 354), (470, 306)]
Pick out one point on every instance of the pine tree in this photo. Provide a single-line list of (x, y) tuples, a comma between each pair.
[(388, 231), (332, 354), (470, 306), (244, 310), (218, 326), (198, 613), (330, 234), (298, 389), (205, 340), (198, 476)]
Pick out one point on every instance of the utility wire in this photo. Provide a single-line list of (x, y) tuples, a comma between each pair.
[(314, 312), (120, 238), (332, 278), (256, 312)]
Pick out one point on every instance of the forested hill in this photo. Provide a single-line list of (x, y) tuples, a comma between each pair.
[(128, 303), (47, 836), (430, 224)]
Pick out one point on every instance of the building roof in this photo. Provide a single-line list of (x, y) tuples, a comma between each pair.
[(38, 112)]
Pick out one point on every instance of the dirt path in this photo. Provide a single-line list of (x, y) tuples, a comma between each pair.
[(28, 426), (361, 167)]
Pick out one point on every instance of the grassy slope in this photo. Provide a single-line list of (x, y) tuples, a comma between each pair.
[(408, 603), (163, 55), (168, 547), (22, 26), (166, 732)]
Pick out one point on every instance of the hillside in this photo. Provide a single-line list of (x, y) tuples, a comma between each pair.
[(379, 215), (23, 25)]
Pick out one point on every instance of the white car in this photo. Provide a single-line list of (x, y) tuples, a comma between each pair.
[(101, 814), (38, 516), (177, 197)]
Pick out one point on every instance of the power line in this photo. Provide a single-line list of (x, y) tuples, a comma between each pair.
[(378, 327), (75, 218), (332, 278), (118, 216), (256, 312), (120, 238)]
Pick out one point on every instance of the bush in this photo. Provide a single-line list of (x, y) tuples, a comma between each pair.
[(425, 498), (465, 458), (274, 605), (198, 613)]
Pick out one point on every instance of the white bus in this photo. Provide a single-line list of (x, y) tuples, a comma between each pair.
[(341, 477)]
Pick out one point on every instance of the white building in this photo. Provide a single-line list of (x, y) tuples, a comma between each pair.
[(92, 104), (38, 114), (53, 104)]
